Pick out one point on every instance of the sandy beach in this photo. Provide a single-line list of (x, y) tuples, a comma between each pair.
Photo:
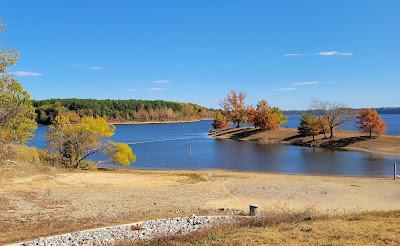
[(64, 201)]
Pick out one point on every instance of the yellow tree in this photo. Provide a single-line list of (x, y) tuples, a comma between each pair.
[(220, 121), (17, 115), (75, 138)]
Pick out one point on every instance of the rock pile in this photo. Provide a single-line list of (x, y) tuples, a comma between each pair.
[(132, 232)]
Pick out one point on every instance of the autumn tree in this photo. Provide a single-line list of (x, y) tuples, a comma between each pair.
[(234, 107), (266, 117), (334, 114), (17, 115), (309, 126), (75, 138), (280, 117), (220, 121), (323, 125), (370, 122)]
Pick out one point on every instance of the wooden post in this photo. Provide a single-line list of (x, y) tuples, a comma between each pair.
[(394, 171), (254, 210)]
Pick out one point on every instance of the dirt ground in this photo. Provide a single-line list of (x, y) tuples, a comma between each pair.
[(65, 201), (353, 141)]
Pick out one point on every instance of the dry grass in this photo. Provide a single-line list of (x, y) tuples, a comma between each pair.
[(302, 228), (19, 153), (20, 160)]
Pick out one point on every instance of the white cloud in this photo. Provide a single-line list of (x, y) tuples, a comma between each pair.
[(162, 81), (334, 53), (157, 89), (307, 83), (97, 68), (130, 90), (26, 74), (295, 54), (286, 89)]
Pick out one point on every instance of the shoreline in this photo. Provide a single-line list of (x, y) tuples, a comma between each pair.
[(155, 122), (385, 145), (321, 175)]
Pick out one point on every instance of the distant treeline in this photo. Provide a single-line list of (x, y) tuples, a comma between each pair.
[(385, 110), (121, 110)]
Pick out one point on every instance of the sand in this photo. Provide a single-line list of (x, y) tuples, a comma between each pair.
[(72, 200)]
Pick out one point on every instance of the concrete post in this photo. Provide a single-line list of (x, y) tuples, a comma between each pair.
[(254, 210)]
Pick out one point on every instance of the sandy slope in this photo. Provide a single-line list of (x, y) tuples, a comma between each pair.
[(67, 201)]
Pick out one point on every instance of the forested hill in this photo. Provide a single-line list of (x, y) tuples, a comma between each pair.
[(383, 110), (121, 110)]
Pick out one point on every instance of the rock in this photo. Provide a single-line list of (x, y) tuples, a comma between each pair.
[(139, 231)]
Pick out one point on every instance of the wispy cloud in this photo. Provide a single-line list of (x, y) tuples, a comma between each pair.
[(97, 68), (321, 53), (286, 89), (130, 90), (26, 74), (334, 53), (295, 54), (162, 81), (156, 89), (307, 83)]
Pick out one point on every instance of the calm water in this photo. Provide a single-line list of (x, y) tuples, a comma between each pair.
[(166, 146)]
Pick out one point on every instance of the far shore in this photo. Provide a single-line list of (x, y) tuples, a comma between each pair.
[(343, 140), (154, 122)]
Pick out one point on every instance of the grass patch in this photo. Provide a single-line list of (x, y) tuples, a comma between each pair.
[(193, 178), (303, 228)]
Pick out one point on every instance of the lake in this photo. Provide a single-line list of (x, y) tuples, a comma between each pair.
[(167, 146)]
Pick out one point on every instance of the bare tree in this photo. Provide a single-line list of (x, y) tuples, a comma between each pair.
[(334, 114)]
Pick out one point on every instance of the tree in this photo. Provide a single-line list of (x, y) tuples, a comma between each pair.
[(220, 121), (323, 125), (280, 117), (234, 107), (266, 117), (17, 115), (120, 153), (335, 114), (75, 138), (309, 126), (370, 122)]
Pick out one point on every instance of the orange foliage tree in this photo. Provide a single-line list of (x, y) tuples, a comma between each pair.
[(370, 122), (263, 116), (234, 107)]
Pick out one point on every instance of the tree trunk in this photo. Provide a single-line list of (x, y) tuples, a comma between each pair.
[(313, 137), (370, 134), (237, 125), (331, 129)]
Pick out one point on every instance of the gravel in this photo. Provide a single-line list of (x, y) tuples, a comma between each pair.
[(132, 232)]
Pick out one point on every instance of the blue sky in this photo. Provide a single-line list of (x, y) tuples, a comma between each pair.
[(287, 52)]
